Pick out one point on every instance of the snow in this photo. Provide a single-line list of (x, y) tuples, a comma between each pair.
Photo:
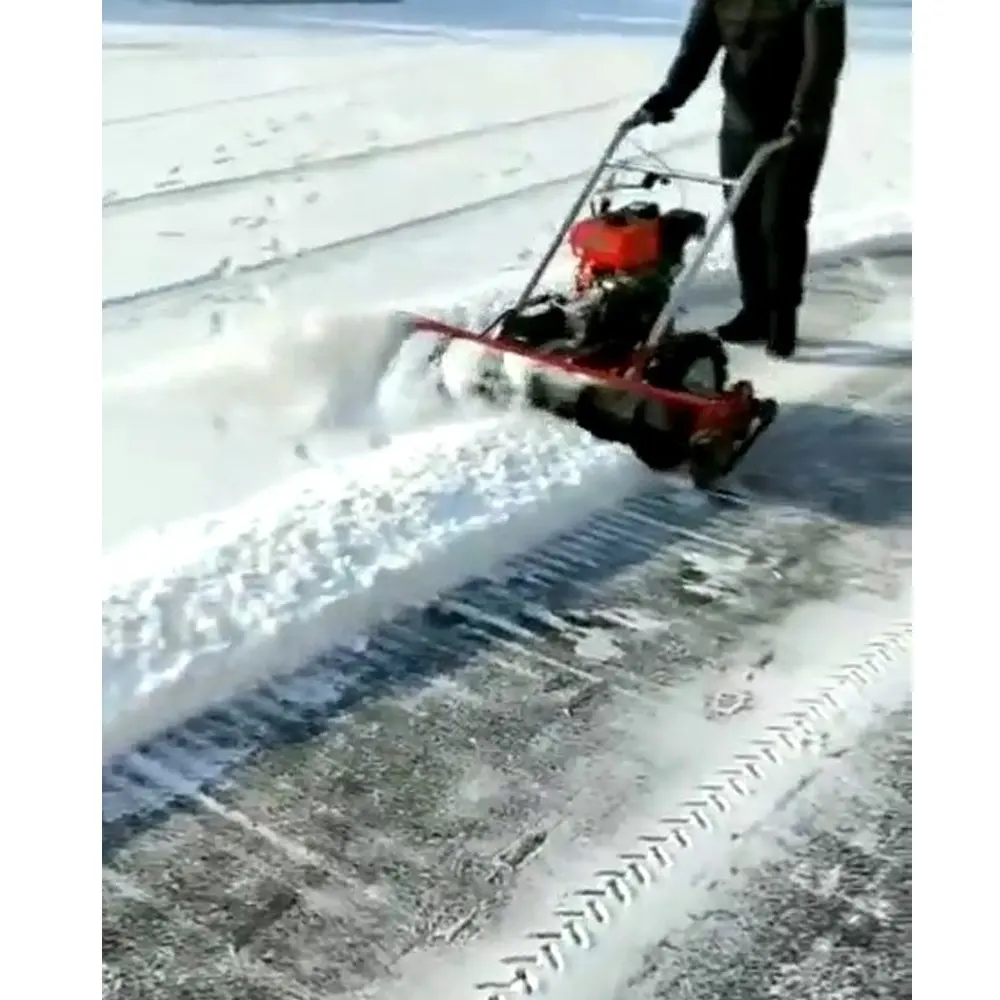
[(208, 407), (324, 555), (270, 198), (211, 606)]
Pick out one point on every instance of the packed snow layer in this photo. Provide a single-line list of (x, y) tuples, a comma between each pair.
[(319, 139), (207, 399)]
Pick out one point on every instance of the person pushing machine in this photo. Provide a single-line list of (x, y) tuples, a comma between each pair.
[(781, 68)]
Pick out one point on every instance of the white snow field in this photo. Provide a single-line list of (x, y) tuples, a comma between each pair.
[(273, 192)]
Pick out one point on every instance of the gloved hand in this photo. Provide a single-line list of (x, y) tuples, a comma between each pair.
[(639, 117), (658, 109)]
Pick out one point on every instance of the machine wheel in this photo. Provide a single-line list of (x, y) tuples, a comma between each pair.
[(660, 450), (690, 362), (708, 460), (594, 420)]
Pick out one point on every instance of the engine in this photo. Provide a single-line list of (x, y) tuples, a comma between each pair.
[(635, 240), (627, 262)]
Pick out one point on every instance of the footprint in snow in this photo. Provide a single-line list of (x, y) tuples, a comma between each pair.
[(725, 704), (274, 246), (216, 322)]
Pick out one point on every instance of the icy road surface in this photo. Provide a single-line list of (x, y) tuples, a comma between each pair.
[(403, 816)]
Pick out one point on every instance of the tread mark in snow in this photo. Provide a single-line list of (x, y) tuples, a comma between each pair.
[(799, 733)]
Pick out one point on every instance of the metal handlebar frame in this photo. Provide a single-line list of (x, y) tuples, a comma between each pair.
[(737, 188)]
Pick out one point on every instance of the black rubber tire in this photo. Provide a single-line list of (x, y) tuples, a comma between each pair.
[(708, 460), (679, 353), (659, 450), (591, 418), (663, 450)]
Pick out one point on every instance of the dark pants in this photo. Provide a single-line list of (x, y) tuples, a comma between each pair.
[(771, 224)]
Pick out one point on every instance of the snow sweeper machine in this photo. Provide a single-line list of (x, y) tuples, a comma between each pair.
[(607, 354)]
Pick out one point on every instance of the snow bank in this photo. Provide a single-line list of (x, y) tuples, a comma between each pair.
[(316, 561)]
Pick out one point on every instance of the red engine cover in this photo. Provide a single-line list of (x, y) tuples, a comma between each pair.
[(602, 245)]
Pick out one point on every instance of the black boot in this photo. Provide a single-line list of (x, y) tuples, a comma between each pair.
[(748, 326), (782, 332)]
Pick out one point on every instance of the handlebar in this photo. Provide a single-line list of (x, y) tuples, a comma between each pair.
[(737, 189)]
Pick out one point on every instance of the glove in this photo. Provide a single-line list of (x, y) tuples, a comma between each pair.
[(660, 108), (637, 118)]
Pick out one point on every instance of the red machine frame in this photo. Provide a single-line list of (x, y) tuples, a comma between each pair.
[(725, 424)]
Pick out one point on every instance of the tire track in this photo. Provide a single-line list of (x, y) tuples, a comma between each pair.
[(306, 167), (819, 898), (321, 255), (765, 769)]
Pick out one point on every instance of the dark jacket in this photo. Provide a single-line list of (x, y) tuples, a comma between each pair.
[(783, 60)]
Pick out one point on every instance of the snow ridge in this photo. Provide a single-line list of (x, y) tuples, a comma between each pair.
[(322, 557)]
